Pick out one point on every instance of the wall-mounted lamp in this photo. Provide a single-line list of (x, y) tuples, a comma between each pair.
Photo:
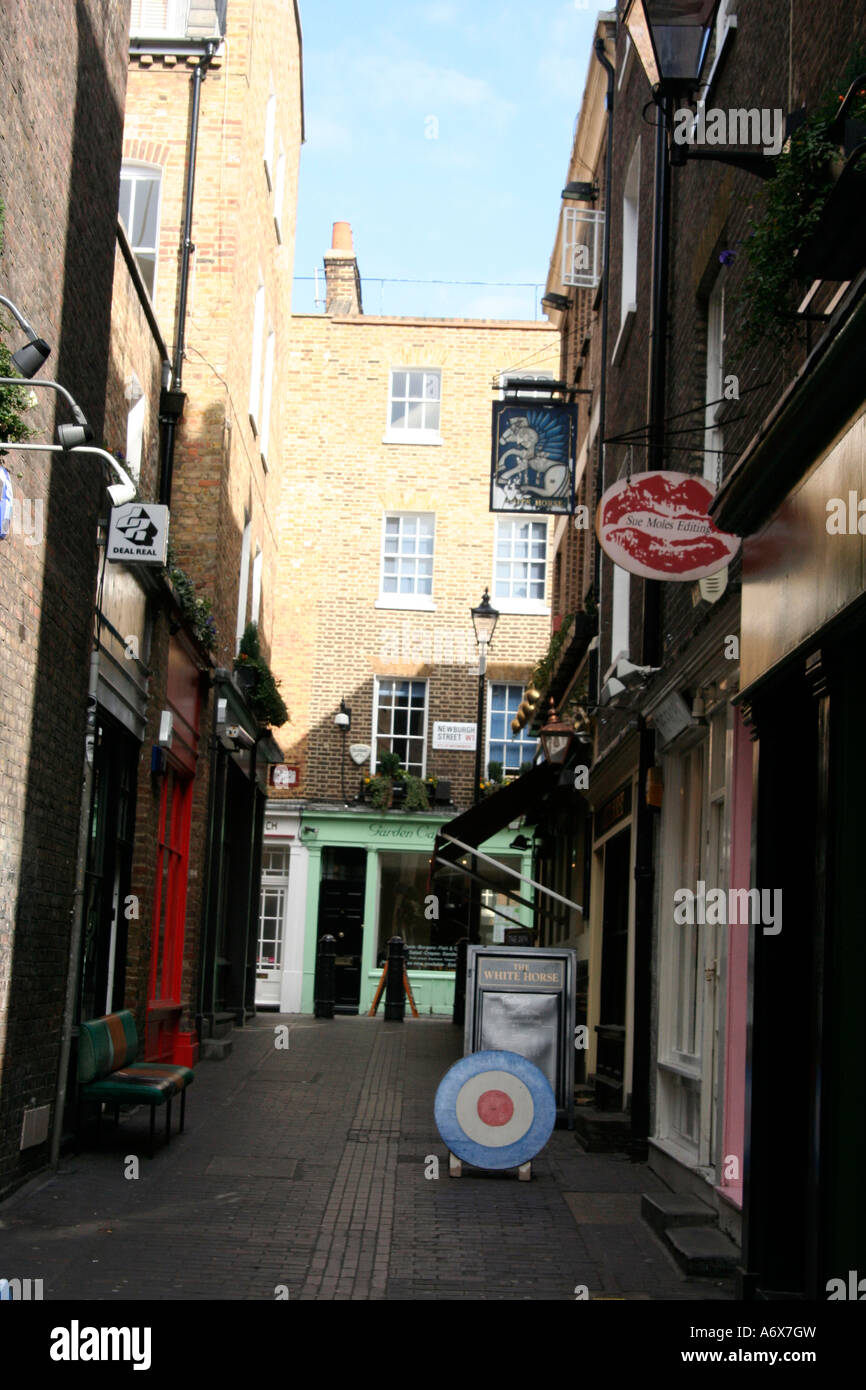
[(343, 721), (559, 302), (119, 493), (556, 736), (581, 192), (28, 359)]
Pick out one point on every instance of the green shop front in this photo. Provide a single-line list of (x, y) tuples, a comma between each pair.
[(369, 879)]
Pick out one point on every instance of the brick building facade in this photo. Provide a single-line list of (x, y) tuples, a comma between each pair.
[(388, 542), (216, 252), (63, 75), (671, 780)]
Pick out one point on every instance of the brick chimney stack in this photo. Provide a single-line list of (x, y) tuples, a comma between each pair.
[(342, 281)]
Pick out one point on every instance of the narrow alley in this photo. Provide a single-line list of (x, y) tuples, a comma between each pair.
[(303, 1173)]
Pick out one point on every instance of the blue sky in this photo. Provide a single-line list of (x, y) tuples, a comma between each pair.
[(441, 130)]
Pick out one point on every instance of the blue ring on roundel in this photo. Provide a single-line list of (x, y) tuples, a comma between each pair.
[(510, 1155)]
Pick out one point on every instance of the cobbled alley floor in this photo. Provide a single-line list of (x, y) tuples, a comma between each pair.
[(306, 1167)]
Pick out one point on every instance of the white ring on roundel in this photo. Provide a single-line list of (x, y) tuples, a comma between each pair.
[(494, 1136)]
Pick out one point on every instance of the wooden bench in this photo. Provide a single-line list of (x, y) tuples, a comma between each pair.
[(108, 1071)]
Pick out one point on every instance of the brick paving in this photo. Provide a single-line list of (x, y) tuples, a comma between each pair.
[(305, 1168)]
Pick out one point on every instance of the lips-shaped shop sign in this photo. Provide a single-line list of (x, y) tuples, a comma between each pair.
[(656, 525)]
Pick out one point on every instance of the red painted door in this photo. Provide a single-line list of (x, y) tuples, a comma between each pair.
[(169, 914)]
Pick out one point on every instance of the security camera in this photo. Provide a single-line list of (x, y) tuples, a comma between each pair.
[(611, 691), (239, 736), (631, 674)]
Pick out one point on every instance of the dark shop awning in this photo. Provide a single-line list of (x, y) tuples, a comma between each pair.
[(520, 798)]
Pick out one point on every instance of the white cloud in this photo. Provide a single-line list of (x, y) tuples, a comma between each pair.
[(442, 13)]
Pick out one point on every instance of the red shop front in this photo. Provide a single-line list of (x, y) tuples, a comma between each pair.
[(167, 1041)]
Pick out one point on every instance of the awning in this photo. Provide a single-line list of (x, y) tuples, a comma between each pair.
[(519, 798), (471, 828)]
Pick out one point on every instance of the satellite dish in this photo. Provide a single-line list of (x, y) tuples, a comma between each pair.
[(359, 752)]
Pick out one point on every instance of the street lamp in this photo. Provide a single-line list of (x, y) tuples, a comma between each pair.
[(556, 737), (671, 39), (34, 354), (484, 619)]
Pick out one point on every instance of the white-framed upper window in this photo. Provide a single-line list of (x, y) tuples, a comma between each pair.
[(256, 357), (140, 186), (135, 426), (158, 18), (267, 396), (713, 434), (400, 722), (511, 750), (279, 192), (520, 568), (630, 228), (243, 580), (619, 634), (256, 606), (414, 401), (270, 134), (406, 571)]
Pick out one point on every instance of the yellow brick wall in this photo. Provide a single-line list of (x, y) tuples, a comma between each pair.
[(331, 639), (219, 473)]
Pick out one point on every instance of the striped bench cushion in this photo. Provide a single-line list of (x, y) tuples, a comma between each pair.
[(107, 1068), (105, 1045)]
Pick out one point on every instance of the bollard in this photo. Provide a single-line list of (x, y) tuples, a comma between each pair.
[(325, 974), (395, 998), (459, 1014)]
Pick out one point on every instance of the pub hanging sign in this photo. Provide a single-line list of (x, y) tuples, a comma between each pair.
[(532, 467)]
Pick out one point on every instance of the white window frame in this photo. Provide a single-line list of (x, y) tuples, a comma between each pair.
[(715, 381), (267, 396), (243, 580), (173, 24), (691, 954), (630, 236), (270, 133), (516, 739), (136, 171), (279, 192), (394, 434), (135, 421), (505, 603), (621, 614), (378, 681), (257, 351), (422, 602), (256, 605)]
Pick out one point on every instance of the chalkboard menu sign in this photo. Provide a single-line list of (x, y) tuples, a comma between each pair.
[(431, 957)]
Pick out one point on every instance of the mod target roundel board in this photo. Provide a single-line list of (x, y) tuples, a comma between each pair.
[(656, 525), (495, 1109)]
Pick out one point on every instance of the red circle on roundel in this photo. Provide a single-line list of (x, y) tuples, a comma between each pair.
[(495, 1108)]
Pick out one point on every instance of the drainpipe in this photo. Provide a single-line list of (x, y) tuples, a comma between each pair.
[(605, 290), (169, 411), (77, 931)]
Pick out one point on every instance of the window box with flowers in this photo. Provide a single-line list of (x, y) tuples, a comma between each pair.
[(256, 680), (392, 786)]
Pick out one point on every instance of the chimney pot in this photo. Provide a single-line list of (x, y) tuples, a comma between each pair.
[(341, 238)]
